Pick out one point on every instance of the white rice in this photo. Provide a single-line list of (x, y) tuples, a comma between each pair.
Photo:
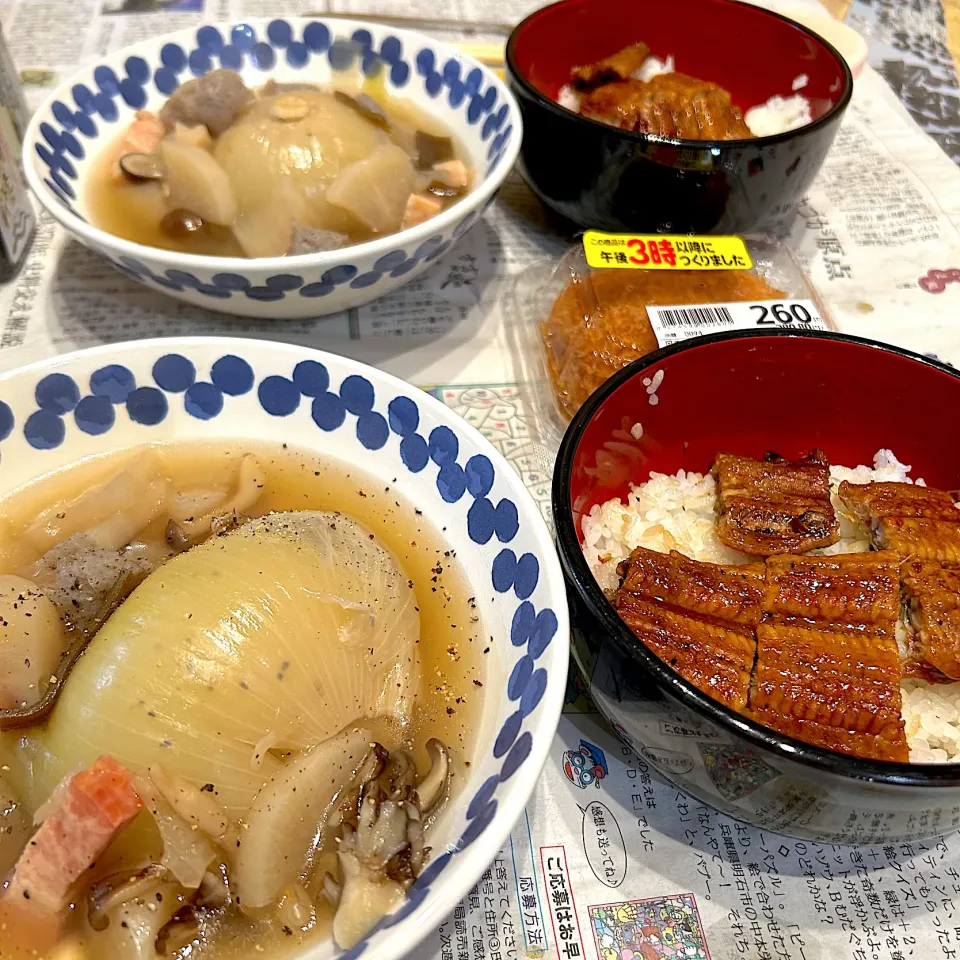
[(652, 67), (677, 513), (931, 715), (777, 115), (568, 98)]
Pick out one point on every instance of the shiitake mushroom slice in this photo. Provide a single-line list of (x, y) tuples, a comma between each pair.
[(142, 166), (365, 105), (180, 224), (432, 150)]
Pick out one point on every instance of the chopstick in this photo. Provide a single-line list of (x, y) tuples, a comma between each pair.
[(422, 23), (489, 54)]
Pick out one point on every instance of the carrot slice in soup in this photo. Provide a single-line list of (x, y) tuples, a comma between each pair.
[(97, 805)]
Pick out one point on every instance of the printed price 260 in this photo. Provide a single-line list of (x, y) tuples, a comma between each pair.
[(769, 315)]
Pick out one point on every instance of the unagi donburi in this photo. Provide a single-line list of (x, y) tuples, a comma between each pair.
[(819, 600)]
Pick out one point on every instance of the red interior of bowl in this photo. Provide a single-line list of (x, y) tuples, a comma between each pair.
[(748, 51), (754, 394)]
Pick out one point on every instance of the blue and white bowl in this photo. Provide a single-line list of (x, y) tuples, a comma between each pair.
[(83, 115), (91, 403)]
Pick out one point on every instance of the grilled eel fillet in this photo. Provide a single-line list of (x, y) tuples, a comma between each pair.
[(803, 645), (619, 66), (828, 669), (917, 522), (772, 506), (849, 588), (669, 105), (931, 594), (697, 617), (922, 525)]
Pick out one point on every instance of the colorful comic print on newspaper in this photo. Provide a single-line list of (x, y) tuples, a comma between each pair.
[(662, 928), (735, 772)]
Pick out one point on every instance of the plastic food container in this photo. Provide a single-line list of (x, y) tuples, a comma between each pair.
[(575, 325)]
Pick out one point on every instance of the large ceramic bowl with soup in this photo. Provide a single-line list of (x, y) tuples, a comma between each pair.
[(254, 699), (283, 168)]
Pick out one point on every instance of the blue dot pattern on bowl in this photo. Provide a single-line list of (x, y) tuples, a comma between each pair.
[(94, 109), (309, 385), (224, 285)]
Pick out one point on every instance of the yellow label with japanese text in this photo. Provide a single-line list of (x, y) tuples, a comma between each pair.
[(638, 251)]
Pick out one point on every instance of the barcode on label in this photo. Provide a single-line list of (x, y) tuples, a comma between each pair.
[(696, 317), (681, 321)]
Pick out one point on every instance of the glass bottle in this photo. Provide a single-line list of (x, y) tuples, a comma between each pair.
[(17, 218)]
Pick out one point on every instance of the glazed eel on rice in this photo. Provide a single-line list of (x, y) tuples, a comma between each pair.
[(755, 584)]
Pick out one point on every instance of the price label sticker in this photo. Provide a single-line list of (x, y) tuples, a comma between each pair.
[(683, 322), (659, 252)]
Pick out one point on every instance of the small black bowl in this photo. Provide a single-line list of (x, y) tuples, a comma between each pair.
[(747, 392), (606, 178)]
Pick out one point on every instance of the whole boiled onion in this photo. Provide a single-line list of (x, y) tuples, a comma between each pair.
[(264, 154), (280, 633)]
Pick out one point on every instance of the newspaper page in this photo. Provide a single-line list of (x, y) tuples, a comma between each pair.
[(609, 862)]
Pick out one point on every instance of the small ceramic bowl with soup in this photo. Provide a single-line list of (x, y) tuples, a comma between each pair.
[(284, 168), (255, 699)]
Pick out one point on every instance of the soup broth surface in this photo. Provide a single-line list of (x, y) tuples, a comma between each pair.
[(277, 182)]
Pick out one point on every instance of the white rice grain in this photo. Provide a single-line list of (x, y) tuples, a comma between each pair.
[(569, 98), (931, 715), (652, 67), (665, 513), (778, 115)]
